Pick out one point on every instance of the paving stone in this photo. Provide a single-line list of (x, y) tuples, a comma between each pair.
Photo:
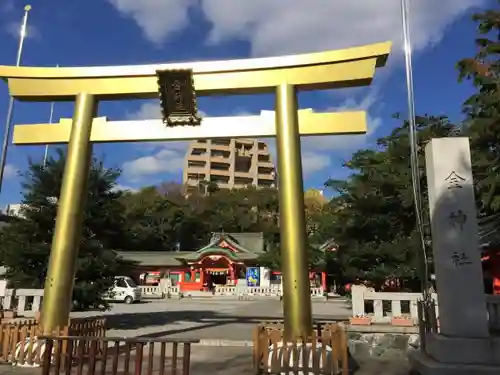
[(222, 321)]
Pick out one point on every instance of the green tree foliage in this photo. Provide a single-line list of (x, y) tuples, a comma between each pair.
[(154, 221), (165, 217), (373, 212), (483, 110), (26, 243)]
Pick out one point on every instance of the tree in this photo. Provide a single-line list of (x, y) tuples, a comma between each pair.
[(482, 110), (26, 243), (373, 213), (163, 218)]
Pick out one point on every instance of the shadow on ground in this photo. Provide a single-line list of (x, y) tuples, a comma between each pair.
[(206, 319)]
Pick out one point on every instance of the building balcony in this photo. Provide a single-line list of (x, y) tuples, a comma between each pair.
[(219, 172), (266, 164), (220, 147), (197, 157), (220, 159), (242, 174), (267, 176), (197, 170)]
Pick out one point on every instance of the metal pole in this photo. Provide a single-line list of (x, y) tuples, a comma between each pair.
[(413, 140), (10, 109), (46, 154), (297, 309), (71, 208), (51, 118)]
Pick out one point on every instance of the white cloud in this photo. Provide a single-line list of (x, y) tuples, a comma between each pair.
[(147, 111), (120, 187), (163, 161), (157, 18), (168, 157), (313, 162), (10, 171), (14, 29), (293, 26), (369, 103), (317, 151)]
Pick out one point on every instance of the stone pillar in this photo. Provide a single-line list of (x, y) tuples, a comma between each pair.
[(457, 258)]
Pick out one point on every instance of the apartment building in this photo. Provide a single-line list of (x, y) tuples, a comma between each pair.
[(14, 209), (231, 163)]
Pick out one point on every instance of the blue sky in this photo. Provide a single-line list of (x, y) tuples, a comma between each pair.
[(119, 32)]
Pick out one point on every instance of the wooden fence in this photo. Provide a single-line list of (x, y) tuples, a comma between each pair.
[(20, 342), (112, 356), (324, 352)]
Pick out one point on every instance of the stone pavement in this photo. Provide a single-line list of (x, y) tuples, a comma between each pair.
[(238, 360), (222, 319), (234, 360), (217, 318)]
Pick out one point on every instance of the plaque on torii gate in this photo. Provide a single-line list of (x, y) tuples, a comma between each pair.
[(282, 75)]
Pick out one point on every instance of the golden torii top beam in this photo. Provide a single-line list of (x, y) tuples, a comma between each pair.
[(322, 70)]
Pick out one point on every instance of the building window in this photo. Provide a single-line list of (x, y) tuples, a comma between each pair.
[(198, 151), (221, 142), (196, 164), (219, 166), (197, 276), (243, 181), (187, 276)]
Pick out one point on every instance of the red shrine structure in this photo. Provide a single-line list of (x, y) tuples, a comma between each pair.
[(222, 262)]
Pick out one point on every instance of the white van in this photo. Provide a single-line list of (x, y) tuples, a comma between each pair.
[(124, 290)]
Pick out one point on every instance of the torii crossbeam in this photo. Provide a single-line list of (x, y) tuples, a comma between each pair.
[(262, 126)]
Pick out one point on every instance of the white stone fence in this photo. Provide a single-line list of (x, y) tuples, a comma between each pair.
[(259, 291), (22, 300), (360, 294), (159, 291)]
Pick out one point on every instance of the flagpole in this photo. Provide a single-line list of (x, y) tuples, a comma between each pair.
[(51, 118), (413, 140), (10, 109)]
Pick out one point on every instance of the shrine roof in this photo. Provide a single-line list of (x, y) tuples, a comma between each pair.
[(217, 250), (251, 242), (232, 245), (154, 258), (238, 246)]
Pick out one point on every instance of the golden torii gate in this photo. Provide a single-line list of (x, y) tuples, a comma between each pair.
[(283, 75)]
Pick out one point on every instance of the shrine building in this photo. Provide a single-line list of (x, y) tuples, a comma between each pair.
[(227, 258)]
